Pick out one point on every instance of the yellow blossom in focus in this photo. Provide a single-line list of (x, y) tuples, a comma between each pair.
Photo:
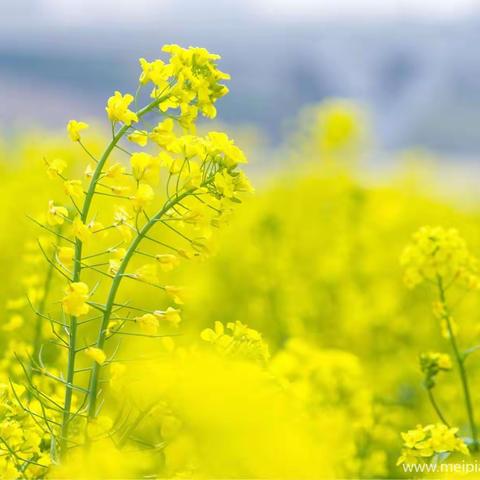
[(156, 72), (224, 151), (173, 165), (145, 167), (192, 176), (163, 134), (224, 183), (117, 108), (75, 300), (424, 442), (140, 137)]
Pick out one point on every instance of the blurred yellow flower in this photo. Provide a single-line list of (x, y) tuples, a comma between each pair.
[(74, 128), (96, 354), (56, 215), (148, 323), (143, 197)]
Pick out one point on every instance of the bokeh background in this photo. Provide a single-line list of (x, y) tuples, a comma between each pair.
[(413, 64), (361, 122)]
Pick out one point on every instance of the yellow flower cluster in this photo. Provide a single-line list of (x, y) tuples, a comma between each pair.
[(425, 442), (21, 437), (162, 202), (241, 341), (432, 363), (194, 80), (332, 382), (438, 253)]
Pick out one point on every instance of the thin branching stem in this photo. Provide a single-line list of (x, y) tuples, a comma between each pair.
[(72, 351), (116, 284), (460, 364)]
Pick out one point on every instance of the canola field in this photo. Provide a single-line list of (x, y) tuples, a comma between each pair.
[(165, 316)]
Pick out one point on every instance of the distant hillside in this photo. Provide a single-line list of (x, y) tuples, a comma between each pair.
[(421, 81)]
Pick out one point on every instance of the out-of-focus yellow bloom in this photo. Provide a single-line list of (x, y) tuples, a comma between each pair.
[(55, 167), (56, 215), (340, 126), (89, 169), (96, 354), (73, 188), (148, 323), (241, 341), (442, 361), (97, 228), (437, 253), (74, 128), (117, 371), (117, 108), (212, 335), (80, 230), (75, 300), (147, 273), (143, 197), (14, 322), (170, 315), (167, 261), (176, 293), (431, 364), (65, 255)]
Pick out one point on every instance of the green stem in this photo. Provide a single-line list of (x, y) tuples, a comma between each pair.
[(436, 407), (72, 347), (37, 337), (461, 367), (169, 204)]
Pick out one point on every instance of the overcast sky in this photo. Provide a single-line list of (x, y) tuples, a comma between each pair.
[(89, 12)]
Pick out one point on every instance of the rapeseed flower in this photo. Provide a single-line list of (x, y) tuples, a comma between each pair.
[(75, 300), (74, 128), (117, 109)]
